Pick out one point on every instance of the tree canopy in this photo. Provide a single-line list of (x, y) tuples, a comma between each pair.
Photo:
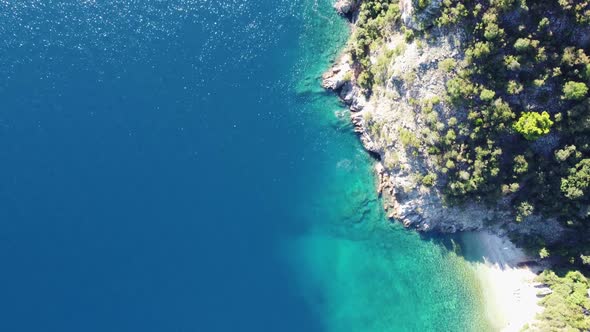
[(533, 125), (574, 90)]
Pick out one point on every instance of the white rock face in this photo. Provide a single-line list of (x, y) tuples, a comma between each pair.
[(415, 77), (418, 19), (340, 73), (407, 12)]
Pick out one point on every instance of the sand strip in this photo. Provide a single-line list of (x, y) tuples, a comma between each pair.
[(509, 291)]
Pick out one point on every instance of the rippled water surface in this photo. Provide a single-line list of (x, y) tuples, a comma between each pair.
[(175, 166)]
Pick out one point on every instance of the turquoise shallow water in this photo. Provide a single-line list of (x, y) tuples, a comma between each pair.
[(175, 166), (357, 270)]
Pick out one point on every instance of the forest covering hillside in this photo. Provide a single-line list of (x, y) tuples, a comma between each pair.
[(523, 130)]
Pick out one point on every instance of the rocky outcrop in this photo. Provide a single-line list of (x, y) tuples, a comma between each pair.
[(340, 78), (338, 75), (397, 118), (419, 18), (346, 7)]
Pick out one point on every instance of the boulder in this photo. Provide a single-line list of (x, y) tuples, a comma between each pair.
[(345, 7)]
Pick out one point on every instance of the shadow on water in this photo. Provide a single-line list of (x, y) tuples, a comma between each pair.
[(451, 242), (483, 248)]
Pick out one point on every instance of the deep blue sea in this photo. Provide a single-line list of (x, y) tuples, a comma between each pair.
[(175, 166)]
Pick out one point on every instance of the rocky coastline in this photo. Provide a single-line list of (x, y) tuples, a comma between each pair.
[(381, 118)]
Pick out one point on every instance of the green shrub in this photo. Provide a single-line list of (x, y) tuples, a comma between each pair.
[(565, 306), (575, 185), (523, 45), (541, 55), (452, 14), (393, 14), (514, 88), (503, 4), (429, 179), (523, 210), (543, 253), (447, 65), (422, 4), (533, 125), (543, 23), (450, 136), (452, 121), (408, 139), (501, 115), (450, 164), (511, 62), (510, 188), (409, 35), (493, 31), (563, 154), (520, 164), (478, 51), (539, 82), (459, 88), (487, 95), (569, 56), (574, 90), (365, 80)]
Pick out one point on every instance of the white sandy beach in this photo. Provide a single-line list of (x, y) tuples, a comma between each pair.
[(509, 291)]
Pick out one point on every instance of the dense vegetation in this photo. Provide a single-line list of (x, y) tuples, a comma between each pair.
[(523, 89), (375, 19), (568, 305)]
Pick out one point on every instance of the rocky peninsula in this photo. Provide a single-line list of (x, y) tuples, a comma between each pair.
[(391, 120), (421, 108)]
